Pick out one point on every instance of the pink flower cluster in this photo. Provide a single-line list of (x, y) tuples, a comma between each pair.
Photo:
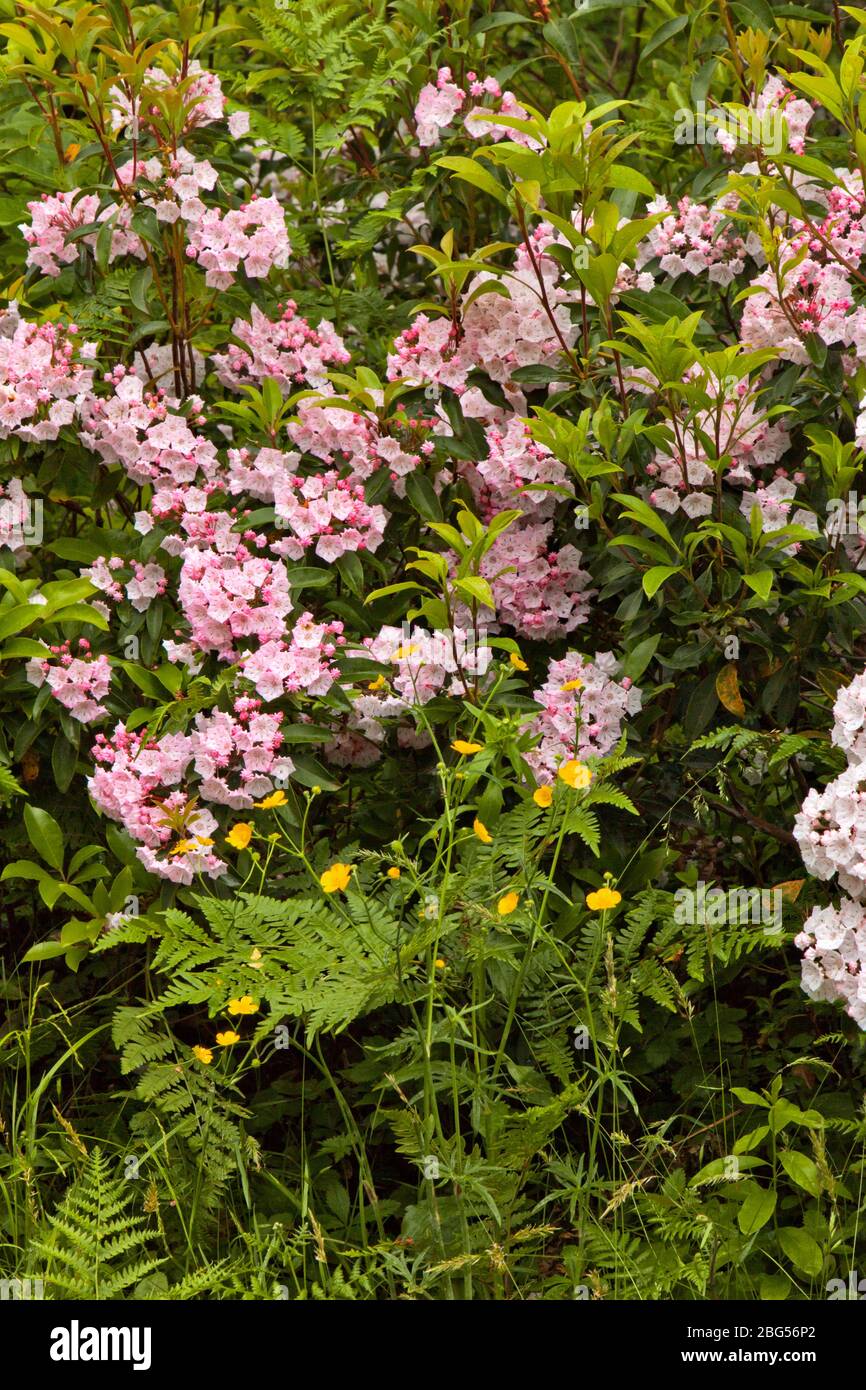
[(583, 709), (237, 755), (203, 100), (78, 683), (327, 512), (540, 592), (130, 785), (496, 333), (55, 217), (339, 436), (52, 218), (288, 350), (253, 235), (233, 597), (439, 103), (43, 383), (831, 832), (774, 503), (145, 433), (833, 942), (734, 425), (695, 239), (260, 476), (426, 664), (301, 663), (517, 472)]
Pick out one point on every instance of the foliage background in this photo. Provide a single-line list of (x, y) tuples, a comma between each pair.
[(298, 1165)]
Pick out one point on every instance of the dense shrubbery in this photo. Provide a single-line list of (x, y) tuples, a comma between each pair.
[(431, 649)]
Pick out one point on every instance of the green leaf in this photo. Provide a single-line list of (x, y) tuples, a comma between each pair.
[(762, 583), (474, 173), (802, 1170), (476, 590), (801, 1249), (45, 950), (667, 31), (749, 1097), (756, 1210), (656, 576), (45, 835), (774, 1287), (421, 494), (635, 662)]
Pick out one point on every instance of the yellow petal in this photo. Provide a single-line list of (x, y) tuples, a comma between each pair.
[(517, 662), (507, 904), (461, 745), (227, 1038), (277, 798), (336, 878), (482, 832), (393, 872), (543, 796), (240, 835), (204, 1055), (244, 1005), (575, 774), (602, 899)]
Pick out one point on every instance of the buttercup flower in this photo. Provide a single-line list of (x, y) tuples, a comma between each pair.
[(244, 1005), (480, 829), (543, 796), (227, 1038), (336, 878), (602, 899), (464, 748), (240, 835), (393, 872), (507, 904), (277, 798), (575, 774), (203, 1054)]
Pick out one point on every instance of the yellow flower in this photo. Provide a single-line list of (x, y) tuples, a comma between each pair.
[(240, 835), (460, 745), (575, 774), (277, 798), (517, 661), (393, 872), (204, 1055), (203, 840), (602, 899), (377, 684), (182, 847), (576, 684), (244, 1005), (543, 796), (482, 832), (336, 878), (227, 1038), (440, 964), (507, 905), (404, 650)]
